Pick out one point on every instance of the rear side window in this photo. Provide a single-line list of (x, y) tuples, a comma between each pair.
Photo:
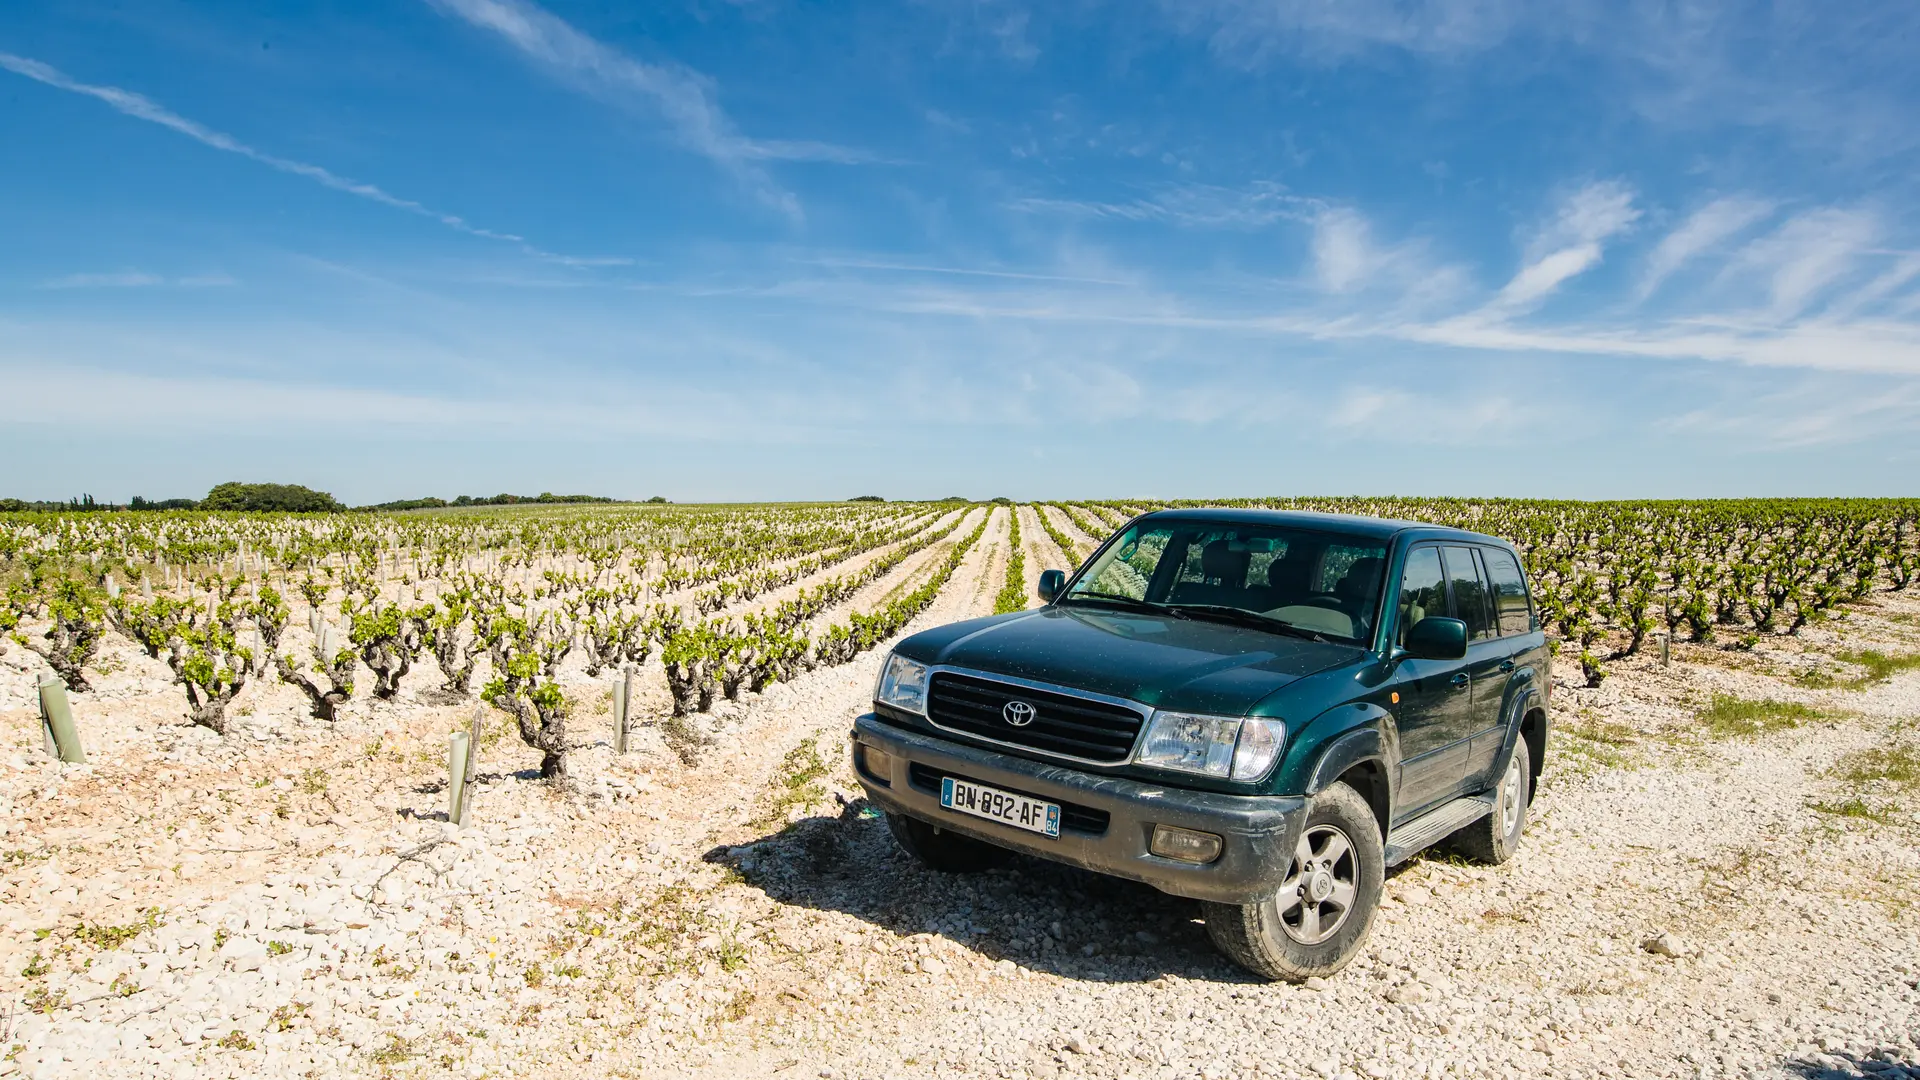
[(1423, 590), (1509, 592), (1469, 594)]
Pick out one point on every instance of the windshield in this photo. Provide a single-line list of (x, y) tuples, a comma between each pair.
[(1324, 582)]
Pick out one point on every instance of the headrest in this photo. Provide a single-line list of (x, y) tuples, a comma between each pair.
[(1290, 572), (1217, 560), (1360, 577)]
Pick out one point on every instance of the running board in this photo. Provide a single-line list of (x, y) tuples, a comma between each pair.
[(1435, 825)]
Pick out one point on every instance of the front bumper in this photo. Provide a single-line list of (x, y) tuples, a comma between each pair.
[(1258, 831)]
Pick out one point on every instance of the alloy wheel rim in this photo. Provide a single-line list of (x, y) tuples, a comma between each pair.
[(1510, 797), (1318, 894)]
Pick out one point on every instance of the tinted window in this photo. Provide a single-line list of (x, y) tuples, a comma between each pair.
[(1509, 592), (1328, 583), (1423, 590), (1469, 593)]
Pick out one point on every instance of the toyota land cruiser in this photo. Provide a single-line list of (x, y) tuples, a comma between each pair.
[(1260, 710)]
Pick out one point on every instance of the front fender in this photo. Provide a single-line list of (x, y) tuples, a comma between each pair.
[(1372, 736)]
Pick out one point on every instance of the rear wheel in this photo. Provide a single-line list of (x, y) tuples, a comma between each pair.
[(1494, 838), (1318, 919), (942, 850)]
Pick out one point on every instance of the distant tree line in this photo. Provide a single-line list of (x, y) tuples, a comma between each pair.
[(431, 503), (282, 498)]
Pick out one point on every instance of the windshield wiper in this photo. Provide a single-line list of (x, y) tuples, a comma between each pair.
[(1244, 617), (1127, 602)]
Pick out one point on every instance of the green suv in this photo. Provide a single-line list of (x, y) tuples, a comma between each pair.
[(1260, 710)]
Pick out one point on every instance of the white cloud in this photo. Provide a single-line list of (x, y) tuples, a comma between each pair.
[(135, 279), (1807, 255), (144, 108), (1708, 227), (683, 98), (1569, 245), (1343, 251), (1255, 206)]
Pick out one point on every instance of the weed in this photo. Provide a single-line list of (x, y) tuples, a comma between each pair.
[(731, 954), (220, 936), (263, 782), (397, 1050), (535, 975), (36, 967), (44, 1001), (737, 1005), (1816, 678), (1853, 807), (122, 986), (568, 971), (1899, 764), (112, 937), (797, 784), (314, 781), (1880, 667), (21, 857), (278, 948), (284, 1016), (1730, 717)]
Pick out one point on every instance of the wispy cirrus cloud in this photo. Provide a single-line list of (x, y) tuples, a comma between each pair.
[(142, 107), (1569, 245), (145, 108), (1210, 206), (1705, 229), (135, 279), (682, 97)]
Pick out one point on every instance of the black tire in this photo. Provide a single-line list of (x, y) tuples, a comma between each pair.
[(942, 850), (1271, 937), (1493, 839)]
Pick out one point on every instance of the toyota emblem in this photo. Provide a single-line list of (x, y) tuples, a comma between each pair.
[(1018, 713)]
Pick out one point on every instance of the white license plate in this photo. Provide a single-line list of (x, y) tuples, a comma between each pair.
[(1002, 806)]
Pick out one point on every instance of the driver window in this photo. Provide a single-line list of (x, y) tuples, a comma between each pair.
[(1423, 590)]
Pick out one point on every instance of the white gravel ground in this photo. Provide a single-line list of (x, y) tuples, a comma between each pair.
[(746, 917)]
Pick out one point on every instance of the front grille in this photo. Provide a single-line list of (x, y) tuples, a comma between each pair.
[(1073, 816), (1062, 724)]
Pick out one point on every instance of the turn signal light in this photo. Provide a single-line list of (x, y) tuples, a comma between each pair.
[(1185, 845)]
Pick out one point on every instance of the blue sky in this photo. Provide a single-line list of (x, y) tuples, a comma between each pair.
[(761, 249)]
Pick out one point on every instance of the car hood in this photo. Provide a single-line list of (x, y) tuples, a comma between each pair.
[(1162, 661)]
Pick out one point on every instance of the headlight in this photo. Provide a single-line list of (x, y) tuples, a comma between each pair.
[(903, 685), (1228, 747)]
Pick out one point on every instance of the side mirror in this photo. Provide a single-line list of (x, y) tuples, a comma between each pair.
[(1052, 581), (1435, 638)]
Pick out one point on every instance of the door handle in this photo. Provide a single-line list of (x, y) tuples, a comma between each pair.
[(1506, 665), (1459, 680)]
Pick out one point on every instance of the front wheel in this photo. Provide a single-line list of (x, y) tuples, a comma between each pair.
[(1318, 919)]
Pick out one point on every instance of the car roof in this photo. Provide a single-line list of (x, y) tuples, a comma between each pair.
[(1372, 527)]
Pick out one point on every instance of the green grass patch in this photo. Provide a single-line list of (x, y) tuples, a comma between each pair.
[(1879, 666), (1730, 717), (1897, 763), (1853, 807), (798, 782)]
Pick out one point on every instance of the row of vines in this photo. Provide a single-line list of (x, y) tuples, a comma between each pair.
[(340, 607)]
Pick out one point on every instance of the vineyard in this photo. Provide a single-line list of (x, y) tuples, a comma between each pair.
[(336, 605), (658, 690)]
